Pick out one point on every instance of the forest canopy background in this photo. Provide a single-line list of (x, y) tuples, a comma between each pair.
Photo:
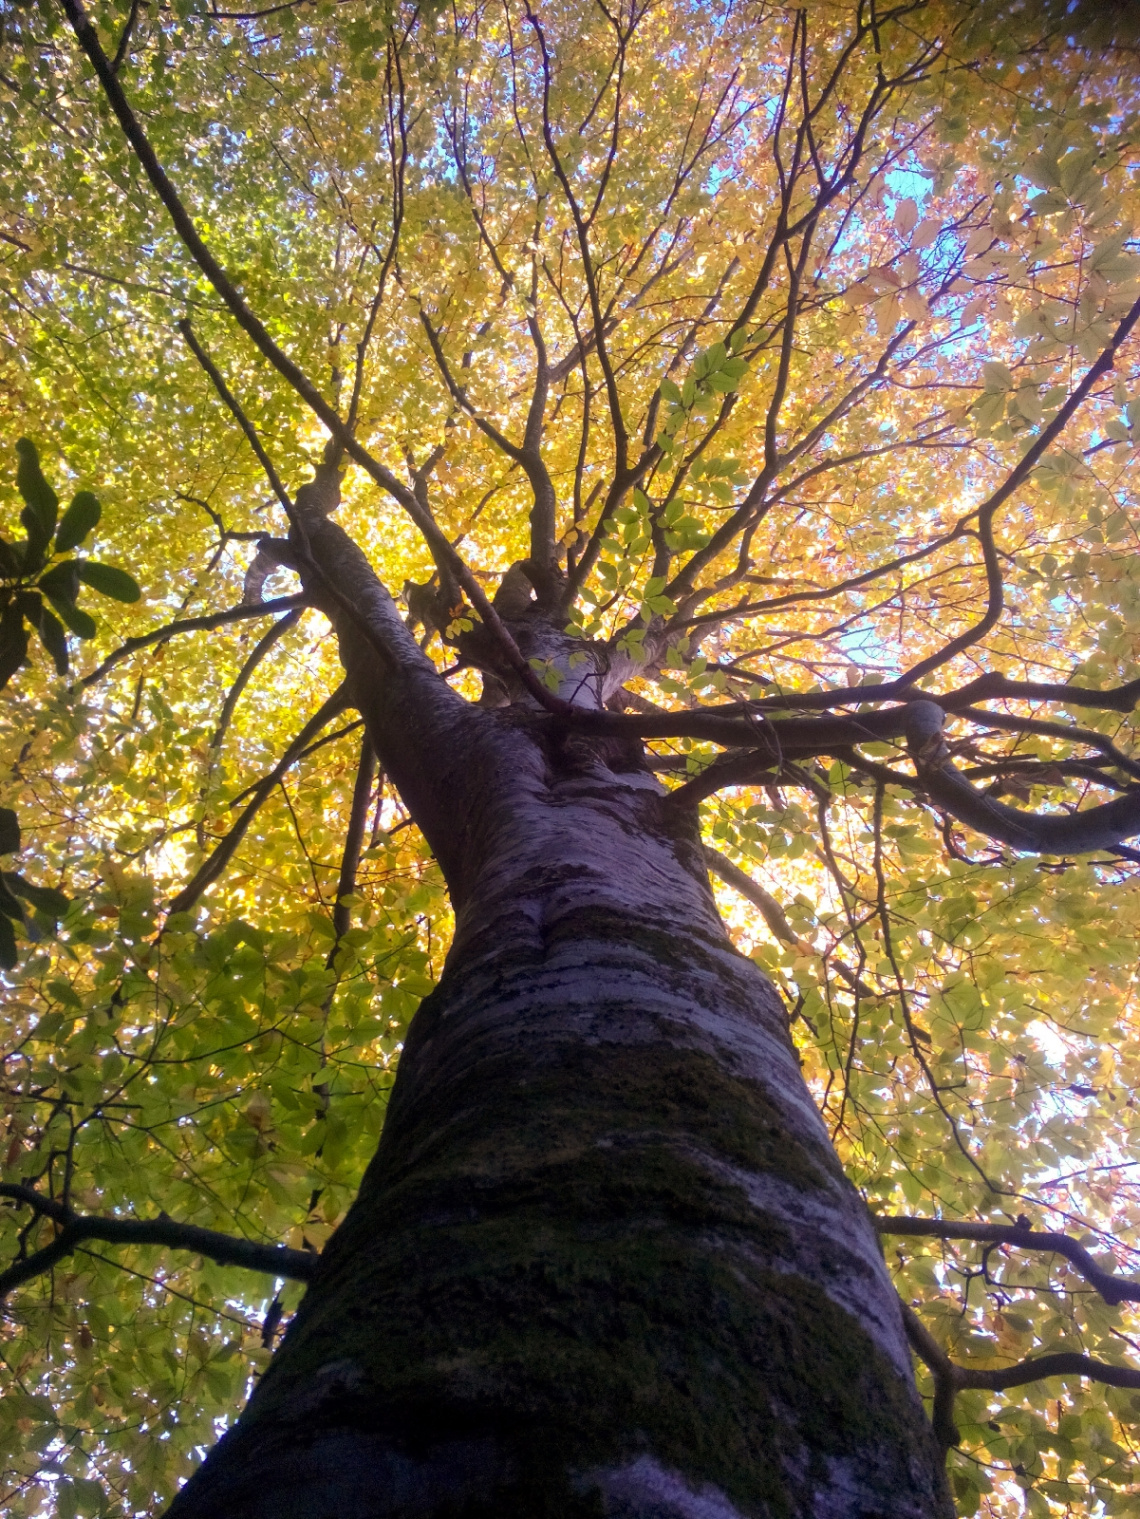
[(813, 286)]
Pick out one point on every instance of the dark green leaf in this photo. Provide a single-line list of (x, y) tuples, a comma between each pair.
[(13, 642), (54, 640), (109, 580), (75, 618), (41, 504), (10, 561), (53, 904), (30, 605), (8, 954), (61, 582), (78, 520), (34, 549), (8, 903), (9, 832)]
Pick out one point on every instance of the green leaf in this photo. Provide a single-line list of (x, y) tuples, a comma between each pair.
[(8, 903), (997, 376), (78, 520), (39, 498), (671, 391), (45, 899), (9, 832), (8, 952), (11, 562), (30, 604), (61, 582), (54, 640), (74, 618), (89, 1496), (41, 505), (13, 642), (108, 580)]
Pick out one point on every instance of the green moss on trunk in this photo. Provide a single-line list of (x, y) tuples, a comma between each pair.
[(548, 1264)]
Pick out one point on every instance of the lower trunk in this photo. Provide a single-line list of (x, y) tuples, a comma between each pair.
[(605, 1261)]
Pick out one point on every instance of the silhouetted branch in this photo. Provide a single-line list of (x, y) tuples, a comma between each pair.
[(74, 1228), (1062, 1363), (245, 674), (950, 1378), (211, 868), (1113, 1289), (187, 625), (353, 841), (1102, 827)]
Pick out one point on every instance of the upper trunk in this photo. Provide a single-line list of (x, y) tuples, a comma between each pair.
[(605, 1260)]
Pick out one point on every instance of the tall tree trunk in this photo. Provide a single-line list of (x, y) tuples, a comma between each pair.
[(605, 1261)]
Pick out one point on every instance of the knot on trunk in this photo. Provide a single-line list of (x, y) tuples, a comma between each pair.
[(924, 724)]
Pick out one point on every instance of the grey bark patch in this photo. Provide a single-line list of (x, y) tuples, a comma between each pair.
[(643, 1489)]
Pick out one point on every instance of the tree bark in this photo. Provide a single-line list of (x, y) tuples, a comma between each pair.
[(605, 1261)]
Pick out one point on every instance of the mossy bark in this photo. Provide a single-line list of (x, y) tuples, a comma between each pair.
[(605, 1261)]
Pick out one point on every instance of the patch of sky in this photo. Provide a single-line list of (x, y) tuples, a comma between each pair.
[(909, 184), (715, 178), (867, 649)]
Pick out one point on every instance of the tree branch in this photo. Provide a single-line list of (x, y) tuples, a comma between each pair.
[(1061, 1363), (250, 324), (944, 1372), (1102, 827), (353, 842), (211, 868), (1113, 1289), (263, 646), (989, 508), (74, 1228), (188, 625), (773, 915)]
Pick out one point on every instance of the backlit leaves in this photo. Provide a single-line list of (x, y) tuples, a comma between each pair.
[(966, 1016)]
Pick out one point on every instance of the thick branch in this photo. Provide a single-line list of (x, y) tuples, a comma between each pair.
[(1062, 1363), (1102, 827), (1113, 1289), (353, 841), (942, 1369), (75, 1228)]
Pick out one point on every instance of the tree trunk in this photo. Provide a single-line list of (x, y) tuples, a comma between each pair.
[(605, 1261)]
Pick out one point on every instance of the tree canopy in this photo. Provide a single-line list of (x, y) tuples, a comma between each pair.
[(791, 353)]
